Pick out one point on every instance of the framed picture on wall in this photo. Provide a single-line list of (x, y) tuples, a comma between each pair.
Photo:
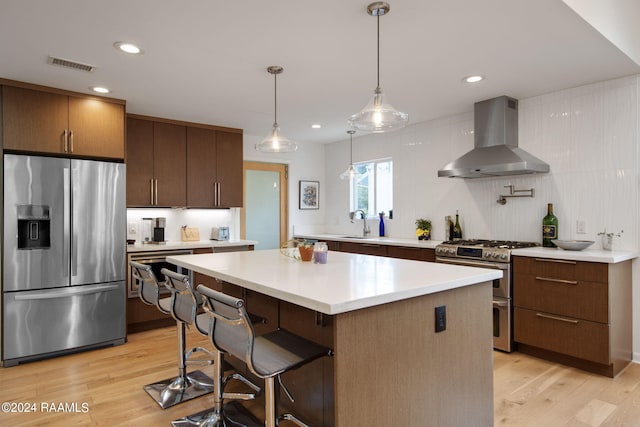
[(309, 194)]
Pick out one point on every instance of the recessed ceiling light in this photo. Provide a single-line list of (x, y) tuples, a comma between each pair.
[(473, 79), (128, 47), (99, 89), (316, 126)]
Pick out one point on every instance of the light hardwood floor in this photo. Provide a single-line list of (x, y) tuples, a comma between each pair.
[(528, 391)]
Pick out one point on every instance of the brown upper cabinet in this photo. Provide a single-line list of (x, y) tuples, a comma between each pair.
[(156, 164), (176, 164), (214, 168), (55, 122)]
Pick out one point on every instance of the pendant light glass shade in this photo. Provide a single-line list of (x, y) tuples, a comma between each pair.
[(351, 171), (378, 115), (275, 142)]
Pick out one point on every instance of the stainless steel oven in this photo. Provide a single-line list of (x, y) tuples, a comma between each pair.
[(157, 260), (501, 299), (495, 255)]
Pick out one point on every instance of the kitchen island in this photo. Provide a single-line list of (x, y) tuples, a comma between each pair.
[(390, 367)]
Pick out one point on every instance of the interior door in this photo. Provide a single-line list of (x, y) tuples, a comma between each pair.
[(98, 226), (264, 216), (35, 188)]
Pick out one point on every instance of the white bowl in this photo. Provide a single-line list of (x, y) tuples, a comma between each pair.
[(573, 245)]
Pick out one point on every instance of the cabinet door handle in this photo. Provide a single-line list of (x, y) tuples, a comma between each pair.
[(562, 319), (557, 261), (71, 141), (151, 191), (155, 189), (566, 282), (215, 193), (66, 141), (219, 194)]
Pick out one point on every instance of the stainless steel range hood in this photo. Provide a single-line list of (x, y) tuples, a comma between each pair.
[(495, 151)]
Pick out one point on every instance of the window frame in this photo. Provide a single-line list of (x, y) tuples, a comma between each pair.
[(373, 189)]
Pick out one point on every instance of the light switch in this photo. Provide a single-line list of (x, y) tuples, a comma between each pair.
[(581, 226)]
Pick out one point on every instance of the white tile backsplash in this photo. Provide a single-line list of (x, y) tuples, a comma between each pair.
[(588, 135)]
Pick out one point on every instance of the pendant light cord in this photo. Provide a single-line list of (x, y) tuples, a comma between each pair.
[(378, 17), (275, 100), (351, 149)]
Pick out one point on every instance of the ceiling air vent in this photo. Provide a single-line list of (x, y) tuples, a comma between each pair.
[(70, 64)]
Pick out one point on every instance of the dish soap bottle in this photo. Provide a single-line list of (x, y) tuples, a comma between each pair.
[(381, 229), (457, 230), (549, 228)]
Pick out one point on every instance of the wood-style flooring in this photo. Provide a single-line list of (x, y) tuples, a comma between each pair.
[(528, 391)]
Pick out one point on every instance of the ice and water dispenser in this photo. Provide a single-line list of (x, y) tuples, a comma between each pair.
[(34, 227)]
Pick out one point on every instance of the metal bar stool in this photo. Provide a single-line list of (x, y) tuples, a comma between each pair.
[(267, 356), (185, 386), (184, 308)]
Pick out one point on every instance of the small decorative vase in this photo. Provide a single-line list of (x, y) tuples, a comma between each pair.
[(607, 242)]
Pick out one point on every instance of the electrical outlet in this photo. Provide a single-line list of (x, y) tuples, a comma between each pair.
[(441, 318), (581, 226), (133, 228)]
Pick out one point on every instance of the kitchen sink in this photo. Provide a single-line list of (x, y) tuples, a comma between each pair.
[(354, 237)]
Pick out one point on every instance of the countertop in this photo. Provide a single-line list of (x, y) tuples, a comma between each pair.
[(591, 255), (171, 246), (391, 241), (347, 282)]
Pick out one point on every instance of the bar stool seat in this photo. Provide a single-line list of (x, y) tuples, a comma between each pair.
[(185, 386), (266, 356)]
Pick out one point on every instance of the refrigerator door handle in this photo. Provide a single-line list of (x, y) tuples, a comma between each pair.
[(64, 293), (75, 184), (66, 223)]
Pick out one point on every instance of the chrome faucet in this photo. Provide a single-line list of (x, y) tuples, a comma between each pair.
[(365, 229)]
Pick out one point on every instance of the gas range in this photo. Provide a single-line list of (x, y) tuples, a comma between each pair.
[(480, 249)]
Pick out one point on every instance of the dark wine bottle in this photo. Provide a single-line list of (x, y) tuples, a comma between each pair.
[(549, 228), (457, 230)]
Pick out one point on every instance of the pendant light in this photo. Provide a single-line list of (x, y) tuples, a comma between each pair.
[(275, 142), (378, 115), (351, 171)]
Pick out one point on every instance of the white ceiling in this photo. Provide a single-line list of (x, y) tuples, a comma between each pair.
[(205, 60)]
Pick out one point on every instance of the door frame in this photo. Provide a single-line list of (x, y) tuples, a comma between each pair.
[(283, 172)]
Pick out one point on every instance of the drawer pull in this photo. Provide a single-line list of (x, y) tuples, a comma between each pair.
[(562, 319), (566, 282), (557, 261)]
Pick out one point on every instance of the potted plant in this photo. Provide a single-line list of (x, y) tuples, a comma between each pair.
[(607, 238), (423, 229)]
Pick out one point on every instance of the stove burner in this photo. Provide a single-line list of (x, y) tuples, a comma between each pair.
[(506, 244)]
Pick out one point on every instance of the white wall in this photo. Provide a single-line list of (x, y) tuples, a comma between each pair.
[(589, 135)]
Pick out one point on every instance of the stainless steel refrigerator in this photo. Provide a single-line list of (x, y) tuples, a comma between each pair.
[(64, 254)]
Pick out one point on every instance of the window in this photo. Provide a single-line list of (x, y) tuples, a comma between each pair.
[(372, 187)]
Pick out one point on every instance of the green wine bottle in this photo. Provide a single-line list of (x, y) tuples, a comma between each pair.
[(457, 230), (549, 228)]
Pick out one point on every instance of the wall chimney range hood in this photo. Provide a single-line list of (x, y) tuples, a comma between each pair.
[(495, 151)]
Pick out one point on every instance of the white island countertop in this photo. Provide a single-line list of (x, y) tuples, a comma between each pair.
[(347, 282)]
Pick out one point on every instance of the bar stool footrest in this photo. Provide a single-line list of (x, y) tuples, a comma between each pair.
[(292, 418), (241, 396)]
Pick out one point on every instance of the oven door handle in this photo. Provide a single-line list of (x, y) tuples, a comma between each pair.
[(457, 261)]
